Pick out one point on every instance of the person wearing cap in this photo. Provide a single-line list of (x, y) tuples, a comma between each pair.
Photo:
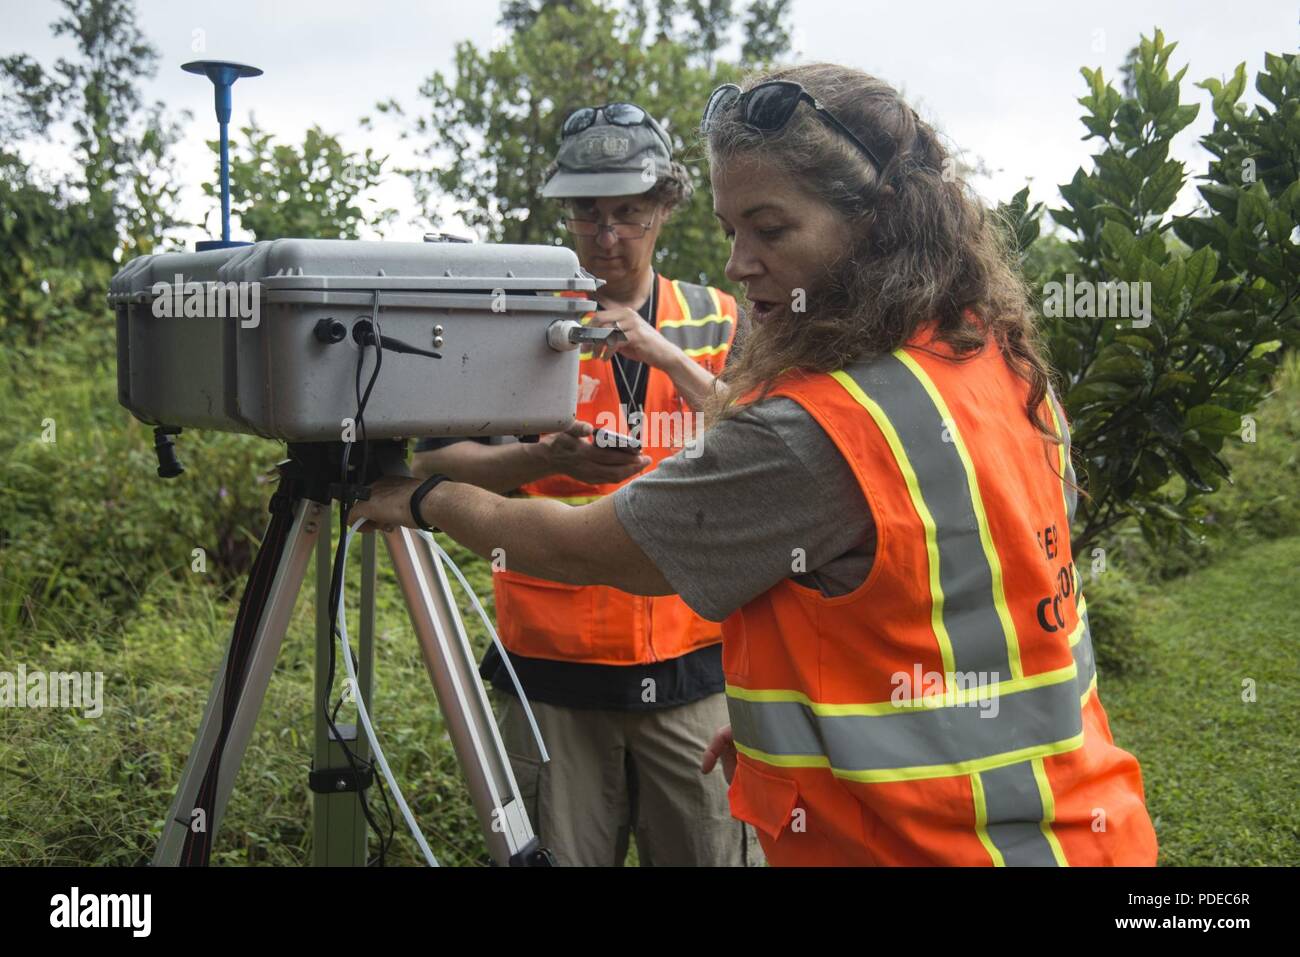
[(626, 689)]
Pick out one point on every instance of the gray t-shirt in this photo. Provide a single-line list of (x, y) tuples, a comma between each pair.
[(768, 498)]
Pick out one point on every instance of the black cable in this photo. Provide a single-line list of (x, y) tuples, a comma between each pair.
[(362, 401), (397, 345), (336, 588), (375, 339)]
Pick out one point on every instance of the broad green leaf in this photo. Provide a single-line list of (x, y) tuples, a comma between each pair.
[(1201, 267), (1170, 380), (1097, 391), (1212, 419)]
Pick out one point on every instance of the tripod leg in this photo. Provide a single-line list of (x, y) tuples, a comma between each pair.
[(238, 691), (461, 697)]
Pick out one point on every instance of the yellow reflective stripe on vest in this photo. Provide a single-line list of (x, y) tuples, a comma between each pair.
[(705, 351), (950, 697), (1049, 812), (678, 323), (982, 821), (1058, 421)]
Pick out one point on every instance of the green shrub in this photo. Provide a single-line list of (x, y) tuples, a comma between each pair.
[(1113, 602), (1263, 501), (88, 523), (1260, 503)]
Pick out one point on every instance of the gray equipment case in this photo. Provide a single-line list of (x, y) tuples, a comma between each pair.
[(200, 346)]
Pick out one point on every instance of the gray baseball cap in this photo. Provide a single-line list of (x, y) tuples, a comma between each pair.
[(609, 159)]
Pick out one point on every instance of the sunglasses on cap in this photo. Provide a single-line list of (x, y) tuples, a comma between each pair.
[(616, 114), (769, 106)]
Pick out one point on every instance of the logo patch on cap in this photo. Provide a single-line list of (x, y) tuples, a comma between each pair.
[(602, 146)]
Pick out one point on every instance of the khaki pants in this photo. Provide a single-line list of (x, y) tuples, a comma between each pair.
[(615, 772)]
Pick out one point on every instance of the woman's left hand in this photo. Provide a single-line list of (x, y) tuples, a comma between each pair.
[(644, 342), (389, 504)]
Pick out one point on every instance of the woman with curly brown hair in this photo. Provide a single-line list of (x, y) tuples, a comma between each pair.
[(879, 513)]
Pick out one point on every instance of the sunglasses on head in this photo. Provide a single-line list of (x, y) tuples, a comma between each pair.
[(769, 106), (617, 114)]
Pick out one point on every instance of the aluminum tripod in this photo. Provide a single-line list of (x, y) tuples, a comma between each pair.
[(301, 521)]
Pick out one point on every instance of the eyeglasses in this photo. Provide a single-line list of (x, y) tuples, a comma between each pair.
[(589, 227), (618, 114), (769, 106)]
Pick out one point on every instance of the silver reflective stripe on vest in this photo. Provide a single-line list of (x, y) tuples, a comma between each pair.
[(1083, 659), (1013, 809), (979, 641), (992, 727), (916, 743), (1013, 798), (709, 338)]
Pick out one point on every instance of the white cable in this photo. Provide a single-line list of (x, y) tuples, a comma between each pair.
[(365, 716), (505, 655)]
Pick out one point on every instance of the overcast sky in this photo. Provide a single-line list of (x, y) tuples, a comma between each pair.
[(1001, 80)]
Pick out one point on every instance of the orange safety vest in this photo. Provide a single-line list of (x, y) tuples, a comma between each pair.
[(946, 711), (597, 624)]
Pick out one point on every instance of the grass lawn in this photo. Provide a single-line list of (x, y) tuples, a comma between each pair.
[(1222, 774)]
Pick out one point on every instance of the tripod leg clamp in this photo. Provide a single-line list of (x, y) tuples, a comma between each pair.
[(533, 855), (340, 780)]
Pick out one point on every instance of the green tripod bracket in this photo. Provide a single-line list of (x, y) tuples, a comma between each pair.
[(338, 824)]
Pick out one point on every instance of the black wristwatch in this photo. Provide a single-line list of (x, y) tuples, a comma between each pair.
[(418, 496)]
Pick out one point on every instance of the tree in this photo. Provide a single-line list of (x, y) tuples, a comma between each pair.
[(43, 283), (1154, 397), (713, 19), (63, 234), (1128, 73), (667, 12), (493, 125), (1253, 184), (313, 191), (767, 32), (517, 15), (97, 93)]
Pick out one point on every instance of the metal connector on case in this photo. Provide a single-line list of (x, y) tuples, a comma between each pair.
[(566, 334)]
